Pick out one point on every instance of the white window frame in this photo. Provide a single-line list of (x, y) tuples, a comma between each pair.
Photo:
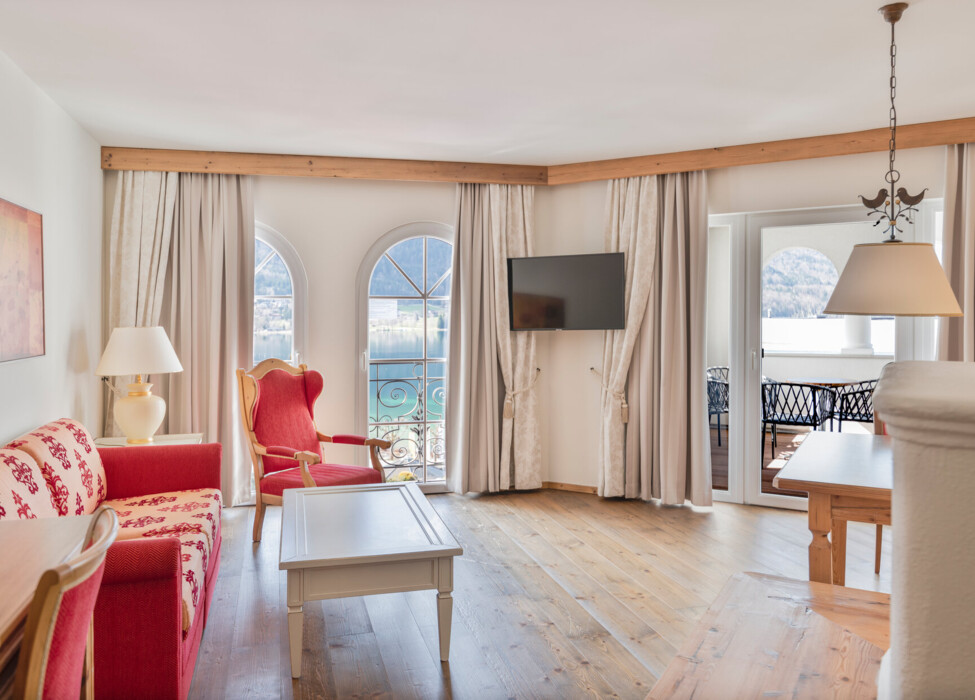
[(299, 285), (416, 229)]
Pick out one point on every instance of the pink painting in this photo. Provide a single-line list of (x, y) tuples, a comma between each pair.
[(21, 283)]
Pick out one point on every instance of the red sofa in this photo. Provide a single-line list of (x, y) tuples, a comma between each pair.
[(160, 573)]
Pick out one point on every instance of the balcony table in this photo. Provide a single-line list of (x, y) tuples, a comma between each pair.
[(829, 382), (30, 547), (847, 477)]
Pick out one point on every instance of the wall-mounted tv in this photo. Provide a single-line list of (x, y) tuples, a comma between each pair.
[(566, 292)]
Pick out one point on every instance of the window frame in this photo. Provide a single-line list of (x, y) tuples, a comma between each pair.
[(415, 229), (299, 286)]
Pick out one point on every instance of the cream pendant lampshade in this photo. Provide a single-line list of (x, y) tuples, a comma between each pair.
[(893, 278), (139, 351)]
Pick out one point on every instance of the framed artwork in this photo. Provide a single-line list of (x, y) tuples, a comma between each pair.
[(21, 283)]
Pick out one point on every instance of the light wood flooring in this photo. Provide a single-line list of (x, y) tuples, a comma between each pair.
[(557, 595)]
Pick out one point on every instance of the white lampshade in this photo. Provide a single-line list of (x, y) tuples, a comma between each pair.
[(138, 351), (893, 279)]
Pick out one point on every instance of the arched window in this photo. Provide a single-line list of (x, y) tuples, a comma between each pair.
[(280, 291), (404, 309), (797, 283)]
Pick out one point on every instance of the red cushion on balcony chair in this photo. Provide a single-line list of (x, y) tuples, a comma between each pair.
[(324, 475)]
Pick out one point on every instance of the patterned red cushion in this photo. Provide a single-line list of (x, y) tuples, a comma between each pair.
[(283, 414), (70, 464), (23, 493), (193, 517), (323, 474)]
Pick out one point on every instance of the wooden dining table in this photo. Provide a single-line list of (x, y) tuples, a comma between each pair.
[(29, 548), (848, 477)]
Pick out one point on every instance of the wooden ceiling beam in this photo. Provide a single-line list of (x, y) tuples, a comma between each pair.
[(908, 136), (227, 163), (873, 140)]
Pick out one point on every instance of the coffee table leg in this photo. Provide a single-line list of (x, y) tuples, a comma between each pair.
[(295, 621), (445, 606)]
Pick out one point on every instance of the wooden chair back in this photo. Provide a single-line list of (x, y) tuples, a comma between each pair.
[(60, 618)]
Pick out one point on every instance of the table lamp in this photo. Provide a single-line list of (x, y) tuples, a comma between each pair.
[(138, 351)]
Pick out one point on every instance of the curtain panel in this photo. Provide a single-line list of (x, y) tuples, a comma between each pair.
[(181, 249), (957, 341), (667, 452), (654, 437), (631, 228), (513, 236), (473, 439), (139, 237), (492, 417), (208, 314)]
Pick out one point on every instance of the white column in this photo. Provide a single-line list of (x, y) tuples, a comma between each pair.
[(857, 335), (929, 408)]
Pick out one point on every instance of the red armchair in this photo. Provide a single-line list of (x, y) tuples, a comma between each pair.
[(277, 404)]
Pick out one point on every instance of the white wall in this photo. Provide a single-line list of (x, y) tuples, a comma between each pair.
[(332, 224), (50, 165), (569, 219)]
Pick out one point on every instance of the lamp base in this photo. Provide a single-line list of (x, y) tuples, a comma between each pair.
[(140, 414)]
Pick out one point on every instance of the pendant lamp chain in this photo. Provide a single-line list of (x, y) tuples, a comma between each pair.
[(893, 204)]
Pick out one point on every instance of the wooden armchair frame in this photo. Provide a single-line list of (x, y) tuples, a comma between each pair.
[(247, 385), (43, 614)]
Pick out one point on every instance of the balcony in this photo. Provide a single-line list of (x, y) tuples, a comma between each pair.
[(406, 407)]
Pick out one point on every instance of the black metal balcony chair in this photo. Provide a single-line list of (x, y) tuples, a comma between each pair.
[(717, 395), (855, 403), (786, 403)]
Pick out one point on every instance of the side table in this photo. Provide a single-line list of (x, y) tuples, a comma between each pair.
[(175, 439)]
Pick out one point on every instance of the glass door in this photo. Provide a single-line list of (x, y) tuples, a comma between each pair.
[(790, 368)]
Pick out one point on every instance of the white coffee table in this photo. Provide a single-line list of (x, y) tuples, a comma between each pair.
[(340, 541)]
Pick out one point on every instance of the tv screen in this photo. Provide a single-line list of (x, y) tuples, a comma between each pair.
[(566, 292)]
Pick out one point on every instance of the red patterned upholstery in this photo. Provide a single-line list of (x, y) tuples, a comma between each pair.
[(323, 474), (71, 467), (65, 661), (23, 492), (142, 649), (284, 414), (193, 517)]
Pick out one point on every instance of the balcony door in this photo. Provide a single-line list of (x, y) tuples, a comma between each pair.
[(770, 275)]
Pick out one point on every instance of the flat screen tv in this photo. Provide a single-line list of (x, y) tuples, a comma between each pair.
[(566, 292)]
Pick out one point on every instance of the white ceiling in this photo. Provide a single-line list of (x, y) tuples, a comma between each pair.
[(519, 81)]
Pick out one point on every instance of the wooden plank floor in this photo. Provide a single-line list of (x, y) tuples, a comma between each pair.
[(557, 595)]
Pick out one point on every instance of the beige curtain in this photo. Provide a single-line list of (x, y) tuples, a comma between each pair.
[(957, 340), (208, 315), (513, 236), (492, 417), (140, 232), (473, 437), (632, 229), (667, 446)]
